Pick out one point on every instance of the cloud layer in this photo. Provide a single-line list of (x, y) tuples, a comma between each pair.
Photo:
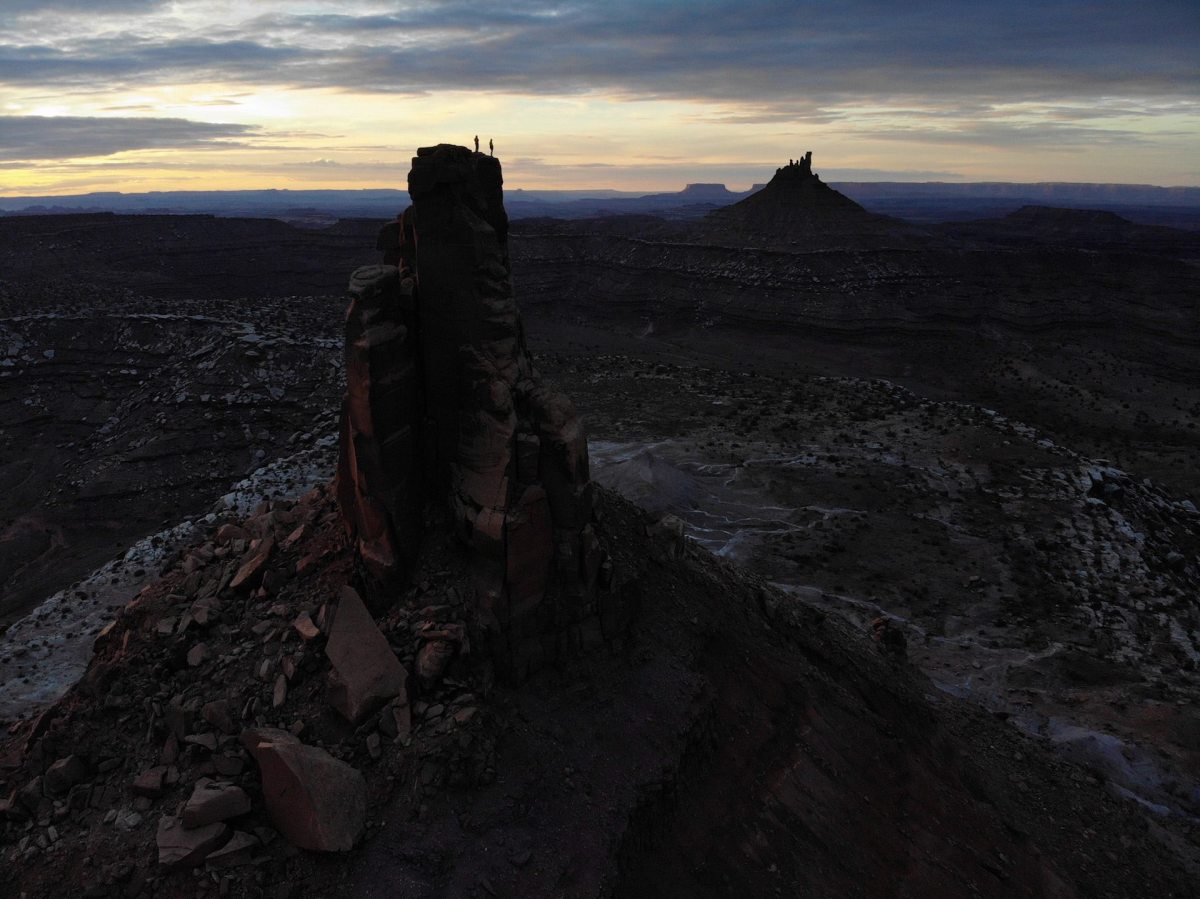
[(778, 51), (930, 85), (70, 137)]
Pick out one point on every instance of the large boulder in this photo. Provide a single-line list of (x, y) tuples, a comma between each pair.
[(366, 673), (314, 800)]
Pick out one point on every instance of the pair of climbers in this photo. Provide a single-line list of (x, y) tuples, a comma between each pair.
[(397, 239)]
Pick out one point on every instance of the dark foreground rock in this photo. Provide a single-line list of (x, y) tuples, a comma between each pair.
[(316, 801)]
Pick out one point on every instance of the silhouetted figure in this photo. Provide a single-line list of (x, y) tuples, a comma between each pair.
[(491, 148), (476, 143), (388, 241)]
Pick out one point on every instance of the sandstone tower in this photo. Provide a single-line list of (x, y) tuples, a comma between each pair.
[(444, 409)]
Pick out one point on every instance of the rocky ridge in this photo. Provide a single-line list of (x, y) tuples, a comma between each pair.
[(589, 776)]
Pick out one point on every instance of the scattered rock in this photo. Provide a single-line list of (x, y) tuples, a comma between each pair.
[(204, 741), (64, 774), (212, 801), (149, 782), (305, 628), (179, 847), (234, 853), (126, 819), (316, 801), (368, 673), (197, 655), (251, 572), (432, 659), (219, 715)]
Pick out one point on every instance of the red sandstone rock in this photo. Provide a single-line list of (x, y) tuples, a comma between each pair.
[(305, 628), (314, 800), (251, 572), (432, 659), (179, 847), (150, 782), (227, 533), (234, 853), (477, 428), (368, 672), (64, 774), (212, 801), (530, 548)]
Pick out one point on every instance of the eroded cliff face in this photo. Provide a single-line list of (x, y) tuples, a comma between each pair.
[(445, 406)]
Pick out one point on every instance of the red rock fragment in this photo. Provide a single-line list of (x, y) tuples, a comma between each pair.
[(368, 673), (149, 782), (64, 774), (227, 533), (314, 800), (179, 847), (305, 628), (432, 660), (251, 572), (212, 801), (234, 853)]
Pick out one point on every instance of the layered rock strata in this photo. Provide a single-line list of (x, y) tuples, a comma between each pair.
[(444, 405)]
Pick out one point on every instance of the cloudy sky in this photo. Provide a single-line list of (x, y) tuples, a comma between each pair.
[(137, 95)]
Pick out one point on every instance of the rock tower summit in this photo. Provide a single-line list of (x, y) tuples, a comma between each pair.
[(795, 209), (445, 411)]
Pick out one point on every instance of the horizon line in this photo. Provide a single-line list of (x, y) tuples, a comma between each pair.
[(576, 189)]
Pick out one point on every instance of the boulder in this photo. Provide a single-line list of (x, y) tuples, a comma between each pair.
[(179, 847), (314, 800), (212, 801), (368, 674), (64, 774)]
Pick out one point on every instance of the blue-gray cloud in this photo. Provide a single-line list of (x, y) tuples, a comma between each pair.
[(91, 6), (807, 54), (74, 137)]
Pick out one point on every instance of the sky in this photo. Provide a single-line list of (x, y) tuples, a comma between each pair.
[(139, 95)]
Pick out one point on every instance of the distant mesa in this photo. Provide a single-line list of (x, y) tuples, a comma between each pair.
[(708, 191)]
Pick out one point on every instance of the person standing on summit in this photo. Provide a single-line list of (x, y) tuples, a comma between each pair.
[(476, 143)]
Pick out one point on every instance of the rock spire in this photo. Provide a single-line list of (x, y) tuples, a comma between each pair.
[(444, 406)]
